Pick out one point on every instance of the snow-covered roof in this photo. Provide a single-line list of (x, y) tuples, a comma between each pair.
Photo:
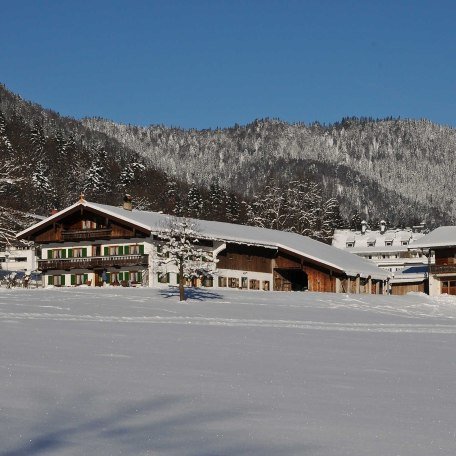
[(374, 240), (444, 236), (304, 246)]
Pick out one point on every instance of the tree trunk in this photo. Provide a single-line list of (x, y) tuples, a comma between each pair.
[(181, 282)]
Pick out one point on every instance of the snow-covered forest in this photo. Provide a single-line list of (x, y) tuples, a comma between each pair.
[(307, 179), (390, 168)]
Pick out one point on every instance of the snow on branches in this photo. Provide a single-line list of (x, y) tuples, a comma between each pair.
[(179, 248), (299, 208)]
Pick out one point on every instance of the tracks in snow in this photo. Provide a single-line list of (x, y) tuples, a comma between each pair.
[(238, 323)]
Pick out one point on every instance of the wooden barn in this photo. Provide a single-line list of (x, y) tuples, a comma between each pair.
[(93, 244)]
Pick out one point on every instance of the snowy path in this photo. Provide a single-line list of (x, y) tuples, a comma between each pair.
[(118, 371)]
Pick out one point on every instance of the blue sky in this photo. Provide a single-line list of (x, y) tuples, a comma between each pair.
[(203, 64)]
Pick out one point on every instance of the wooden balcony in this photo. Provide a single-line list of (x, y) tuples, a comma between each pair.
[(85, 235), (442, 269), (100, 262)]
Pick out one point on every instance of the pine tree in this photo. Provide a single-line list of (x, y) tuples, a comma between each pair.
[(195, 202)]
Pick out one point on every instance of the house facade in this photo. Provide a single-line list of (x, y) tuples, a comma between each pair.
[(392, 250), (93, 245), (441, 245)]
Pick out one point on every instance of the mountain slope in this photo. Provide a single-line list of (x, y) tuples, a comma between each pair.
[(401, 168)]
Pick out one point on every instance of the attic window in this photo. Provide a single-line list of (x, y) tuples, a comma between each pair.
[(350, 244), (89, 225), (371, 243), (404, 243), (387, 243)]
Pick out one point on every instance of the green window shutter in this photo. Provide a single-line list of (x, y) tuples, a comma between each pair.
[(121, 276), (106, 251), (73, 279), (127, 250), (141, 249), (63, 253), (50, 281), (62, 280), (121, 250), (84, 252), (108, 277), (139, 276), (127, 275), (49, 254), (70, 253), (86, 278)]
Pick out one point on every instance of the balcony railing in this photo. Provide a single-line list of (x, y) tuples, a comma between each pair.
[(82, 235), (442, 268), (93, 262)]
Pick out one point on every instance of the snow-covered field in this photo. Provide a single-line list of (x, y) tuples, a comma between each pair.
[(135, 372)]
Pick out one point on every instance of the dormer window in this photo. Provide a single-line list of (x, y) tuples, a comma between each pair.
[(404, 242), (371, 243), (388, 243), (350, 244)]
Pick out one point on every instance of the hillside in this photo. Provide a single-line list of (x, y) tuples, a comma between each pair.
[(396, 169), (400, 170), (47, 160)]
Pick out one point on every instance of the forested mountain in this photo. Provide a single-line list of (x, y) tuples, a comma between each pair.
[(402, 170), (303, 178)]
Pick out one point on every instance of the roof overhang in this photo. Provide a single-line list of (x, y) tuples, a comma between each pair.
[(73, 209)]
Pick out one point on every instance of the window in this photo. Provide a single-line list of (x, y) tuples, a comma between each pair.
[(371, 243), (114, 250), (266, 285), (135, 276), (244, 282), (56, 254), (350, 244), (56, 280), (77, 253), (207, 282), (89, 225), (163, 278), (134, 249), (21, 259), (387, 243), (79, 279), (404, 242), (233, 282), (254, 284), (222, 282)]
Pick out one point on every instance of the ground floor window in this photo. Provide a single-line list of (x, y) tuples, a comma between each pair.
[(266, 285), (207, 282), (222, 282), (163, 278), (244, 282), (56, 280), (449, 286), (233, 282), (254, 284), (79, 279)]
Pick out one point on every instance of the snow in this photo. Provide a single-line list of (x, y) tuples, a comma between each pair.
[(444, 236), (132, 371)]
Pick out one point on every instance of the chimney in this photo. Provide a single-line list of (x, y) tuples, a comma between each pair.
[(127, 204), (363, 226), (382, 226)]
